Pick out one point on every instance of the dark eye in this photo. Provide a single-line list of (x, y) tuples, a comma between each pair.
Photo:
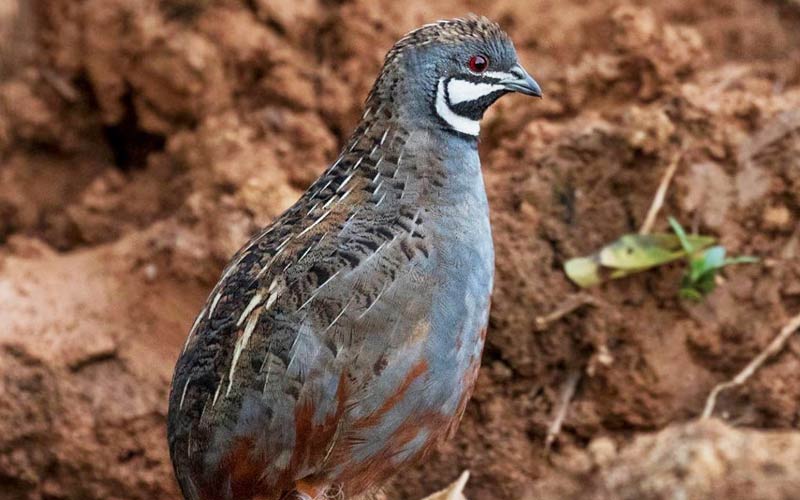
[(478, 63)]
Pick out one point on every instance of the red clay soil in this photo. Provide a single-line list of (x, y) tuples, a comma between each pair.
[(142, 141)]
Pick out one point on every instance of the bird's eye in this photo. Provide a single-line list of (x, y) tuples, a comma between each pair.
[(478, 63)]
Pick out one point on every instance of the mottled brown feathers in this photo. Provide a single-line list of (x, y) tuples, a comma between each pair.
[(343, 340)]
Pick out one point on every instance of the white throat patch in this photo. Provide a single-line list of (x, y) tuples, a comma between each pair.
[(458, 122)]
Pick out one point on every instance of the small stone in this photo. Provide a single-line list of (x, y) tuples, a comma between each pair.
[(79, 354), (602, 450), (150, 272), (777, 217), (28, 247), (501, 372)]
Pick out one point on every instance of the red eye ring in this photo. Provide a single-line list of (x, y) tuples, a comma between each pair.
[(478, 63)]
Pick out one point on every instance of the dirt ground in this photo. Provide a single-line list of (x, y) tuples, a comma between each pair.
[(142, 141)]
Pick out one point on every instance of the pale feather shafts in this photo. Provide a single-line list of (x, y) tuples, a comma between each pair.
[(271, 272), (313, 357)]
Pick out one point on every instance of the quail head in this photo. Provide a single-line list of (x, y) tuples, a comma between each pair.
[(343, 341)]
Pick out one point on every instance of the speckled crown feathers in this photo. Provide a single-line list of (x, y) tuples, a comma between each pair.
[(470, 27)]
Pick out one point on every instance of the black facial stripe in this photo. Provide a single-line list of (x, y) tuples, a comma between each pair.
[(472, 77), (474, 109), (446, 126), (447, 93)]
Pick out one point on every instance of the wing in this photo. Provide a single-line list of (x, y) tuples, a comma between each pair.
[(289, 337)]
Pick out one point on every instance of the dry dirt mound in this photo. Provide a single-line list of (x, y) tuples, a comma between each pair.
[(142, 141), (701, 460)]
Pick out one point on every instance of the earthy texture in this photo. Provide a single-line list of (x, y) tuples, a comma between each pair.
[(143, 141)]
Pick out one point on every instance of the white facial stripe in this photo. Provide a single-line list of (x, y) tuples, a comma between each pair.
[(462, 90), (458, 122), (500, 75)]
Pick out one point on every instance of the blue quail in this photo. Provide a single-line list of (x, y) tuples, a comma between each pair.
[(343, 341)]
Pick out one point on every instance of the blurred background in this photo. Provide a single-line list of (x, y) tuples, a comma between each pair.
[(143, 141)]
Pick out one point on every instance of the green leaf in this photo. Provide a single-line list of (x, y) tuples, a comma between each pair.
[(743, 259), (690, 294), (709, 261), (629, 254), (642, 251), (633, 253), (681, 234), (584, 271), (700, 278)]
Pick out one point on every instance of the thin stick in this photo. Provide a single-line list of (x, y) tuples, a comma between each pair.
[(567, 393), (661, 193), (773, 348), (572, 304), (453, 492)]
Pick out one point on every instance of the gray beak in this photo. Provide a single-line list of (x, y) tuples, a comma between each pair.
[(522, 82)]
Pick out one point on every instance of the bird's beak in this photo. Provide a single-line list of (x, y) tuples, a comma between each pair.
[(522, 82)]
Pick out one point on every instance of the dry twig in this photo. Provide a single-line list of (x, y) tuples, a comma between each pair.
[(572, 304), (773, 348), (661, 193), (453, 492), (61, 85), (567, 393)]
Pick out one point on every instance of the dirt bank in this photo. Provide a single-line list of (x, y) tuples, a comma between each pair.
[(142, 141)]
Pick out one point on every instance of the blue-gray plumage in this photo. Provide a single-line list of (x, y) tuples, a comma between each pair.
[(343, 341)]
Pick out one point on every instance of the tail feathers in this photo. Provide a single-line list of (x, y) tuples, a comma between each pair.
[(188, 488), (182, 467)]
